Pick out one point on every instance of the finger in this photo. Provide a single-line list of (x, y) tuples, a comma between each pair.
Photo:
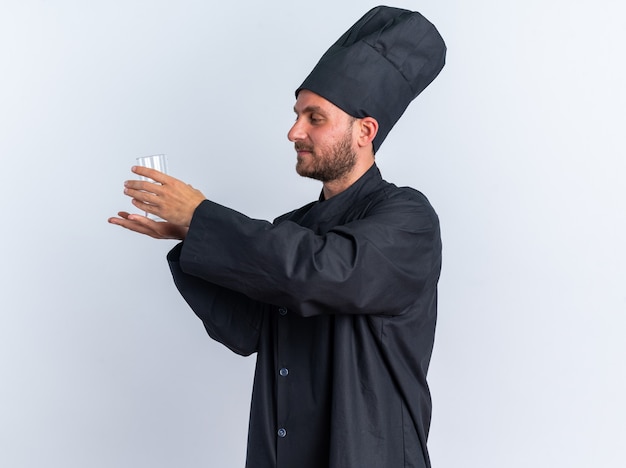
[(146, 222), (137, 223), (144, 186), (123, 215), (145, 206), (142, 196), (126, 219), (153, 174)]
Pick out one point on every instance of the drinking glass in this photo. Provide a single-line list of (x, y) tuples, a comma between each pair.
[(153, 161)]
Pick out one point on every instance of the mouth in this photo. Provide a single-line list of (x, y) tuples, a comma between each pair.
[(302, 150)]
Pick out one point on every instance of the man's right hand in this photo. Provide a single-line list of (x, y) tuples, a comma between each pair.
[(149, 227)]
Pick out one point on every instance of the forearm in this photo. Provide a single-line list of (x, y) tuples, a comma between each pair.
[(229, 317), (362, 267)]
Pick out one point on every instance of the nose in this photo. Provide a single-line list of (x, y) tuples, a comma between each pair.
[(296, 132)]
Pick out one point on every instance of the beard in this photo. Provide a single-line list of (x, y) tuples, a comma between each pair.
[(329, 164)]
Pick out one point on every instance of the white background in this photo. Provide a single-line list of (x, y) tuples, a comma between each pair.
[(519, 144)]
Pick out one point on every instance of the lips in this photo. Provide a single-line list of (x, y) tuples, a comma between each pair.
[(302, 150)]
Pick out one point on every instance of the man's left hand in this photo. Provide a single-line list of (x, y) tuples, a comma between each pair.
[(170, 199)]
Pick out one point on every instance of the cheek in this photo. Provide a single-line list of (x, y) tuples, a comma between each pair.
[(323, 137)]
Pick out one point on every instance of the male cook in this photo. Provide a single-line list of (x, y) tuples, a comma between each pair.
[(337, 298)]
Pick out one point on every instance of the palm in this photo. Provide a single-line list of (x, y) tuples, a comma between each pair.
[(149, 227)]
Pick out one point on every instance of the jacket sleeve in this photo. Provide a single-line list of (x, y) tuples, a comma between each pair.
[(374, 265), (229, 317)]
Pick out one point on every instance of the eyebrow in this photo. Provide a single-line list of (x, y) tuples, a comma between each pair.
[(308, 109)]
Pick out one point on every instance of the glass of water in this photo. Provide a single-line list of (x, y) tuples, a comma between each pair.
[(154, 161)]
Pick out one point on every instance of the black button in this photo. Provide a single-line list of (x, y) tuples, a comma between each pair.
[(282, 432), (282, 311)]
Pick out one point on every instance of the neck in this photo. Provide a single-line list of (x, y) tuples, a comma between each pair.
[(335, 187)]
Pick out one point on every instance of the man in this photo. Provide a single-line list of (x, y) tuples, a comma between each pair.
[(337, 298)]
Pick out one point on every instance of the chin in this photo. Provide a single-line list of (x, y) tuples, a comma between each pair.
[(303, 172), (301, 169)]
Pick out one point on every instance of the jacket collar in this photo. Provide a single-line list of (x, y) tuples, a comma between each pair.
[(365, 185), (368, 183)]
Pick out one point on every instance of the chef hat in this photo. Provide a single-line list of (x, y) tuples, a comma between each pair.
[(377, 67)]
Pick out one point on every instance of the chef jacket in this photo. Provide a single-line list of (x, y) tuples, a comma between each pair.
[(338, 300)]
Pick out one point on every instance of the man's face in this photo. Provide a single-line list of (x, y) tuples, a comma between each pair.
[(323, 138)]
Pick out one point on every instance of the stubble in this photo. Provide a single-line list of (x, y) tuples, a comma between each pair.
[(331, 164)]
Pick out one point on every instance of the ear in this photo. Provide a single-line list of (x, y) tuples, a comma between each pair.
[(368, 128)]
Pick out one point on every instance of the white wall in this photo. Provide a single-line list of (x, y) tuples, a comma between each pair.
[(518, 144)]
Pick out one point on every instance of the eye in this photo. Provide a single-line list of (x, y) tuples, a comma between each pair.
[(316, 119)]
